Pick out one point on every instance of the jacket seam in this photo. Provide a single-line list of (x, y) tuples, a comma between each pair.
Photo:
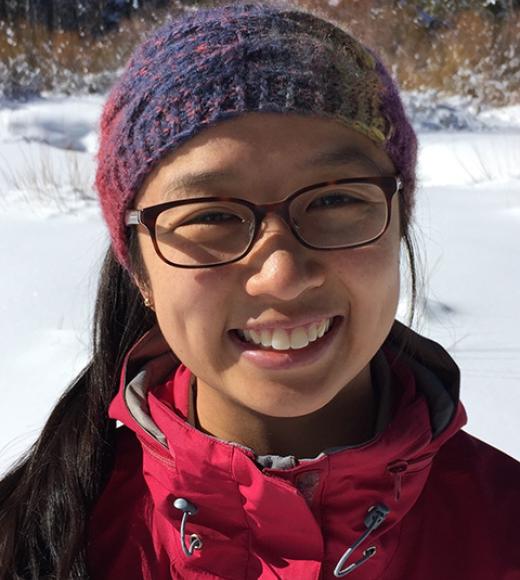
[(322, 502), (246, 520)]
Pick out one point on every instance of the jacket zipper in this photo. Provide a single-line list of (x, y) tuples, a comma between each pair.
[(400, 467)]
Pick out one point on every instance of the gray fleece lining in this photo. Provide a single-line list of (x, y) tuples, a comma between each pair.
[(135, 396), (156, 370)]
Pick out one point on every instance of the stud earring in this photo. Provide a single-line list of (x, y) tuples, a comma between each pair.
[(148, 303)]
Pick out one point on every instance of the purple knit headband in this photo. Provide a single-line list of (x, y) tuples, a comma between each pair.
[(214, 64)]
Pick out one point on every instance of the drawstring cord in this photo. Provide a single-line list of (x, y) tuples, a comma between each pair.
[(397, 469), (400, 467), (189, 509), (374, 518)]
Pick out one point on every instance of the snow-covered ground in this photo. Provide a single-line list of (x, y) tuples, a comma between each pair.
[(52, 240)]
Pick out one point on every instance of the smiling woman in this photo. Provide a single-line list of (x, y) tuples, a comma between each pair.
[(278, 285), (257, 175)]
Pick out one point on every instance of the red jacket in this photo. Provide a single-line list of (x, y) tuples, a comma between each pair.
[(443, 505)]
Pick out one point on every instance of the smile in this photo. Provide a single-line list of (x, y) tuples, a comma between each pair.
[(290, 339)]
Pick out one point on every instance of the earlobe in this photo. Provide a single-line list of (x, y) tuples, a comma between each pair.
[(145, 292), (148, 303)]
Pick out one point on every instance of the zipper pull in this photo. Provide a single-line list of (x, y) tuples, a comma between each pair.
[(397, 469)]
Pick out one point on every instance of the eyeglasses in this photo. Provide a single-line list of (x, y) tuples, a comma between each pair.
[(213, 231)]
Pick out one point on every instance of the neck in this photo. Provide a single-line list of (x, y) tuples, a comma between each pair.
[(346, 420)]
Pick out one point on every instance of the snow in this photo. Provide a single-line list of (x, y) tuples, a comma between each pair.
[(433, 111), (466, 159), (53, 239), (68, 123), (503, 118)]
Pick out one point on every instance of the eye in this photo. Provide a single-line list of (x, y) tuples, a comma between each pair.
[(213, 218), (334, 199)]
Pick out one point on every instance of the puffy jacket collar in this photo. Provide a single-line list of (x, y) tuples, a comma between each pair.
[(328, 498)]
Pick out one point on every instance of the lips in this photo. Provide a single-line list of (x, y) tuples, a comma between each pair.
[(286, 339), (268, 358)]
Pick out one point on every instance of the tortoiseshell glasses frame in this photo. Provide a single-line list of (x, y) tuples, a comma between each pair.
[(389, 185)]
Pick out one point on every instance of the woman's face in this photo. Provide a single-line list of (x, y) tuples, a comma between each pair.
[(280, 284)]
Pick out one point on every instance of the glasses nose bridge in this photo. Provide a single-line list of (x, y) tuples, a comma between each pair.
[(279, 208)]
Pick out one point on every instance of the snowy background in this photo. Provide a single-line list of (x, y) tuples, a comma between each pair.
[(52, 240)]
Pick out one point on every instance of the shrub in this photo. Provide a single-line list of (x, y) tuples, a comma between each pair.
[(462, 49), (35, 59)]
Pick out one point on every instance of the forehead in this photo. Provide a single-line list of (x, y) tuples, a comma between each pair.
[(266, 151)]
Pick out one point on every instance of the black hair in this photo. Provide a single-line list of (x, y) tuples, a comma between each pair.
[(47, 495)]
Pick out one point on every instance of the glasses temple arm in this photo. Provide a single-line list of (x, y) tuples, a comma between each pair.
[(133, 217)]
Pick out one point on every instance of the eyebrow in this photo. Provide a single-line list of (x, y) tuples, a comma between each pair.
[(343, 155), (192, 179)]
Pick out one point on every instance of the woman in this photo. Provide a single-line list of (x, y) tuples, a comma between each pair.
[(256, 173)]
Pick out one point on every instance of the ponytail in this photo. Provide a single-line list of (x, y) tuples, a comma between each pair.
[(46, 497)]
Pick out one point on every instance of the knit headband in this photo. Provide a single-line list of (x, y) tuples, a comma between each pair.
[(215, 64)]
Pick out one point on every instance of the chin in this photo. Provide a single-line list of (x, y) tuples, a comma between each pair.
[(282, 408)]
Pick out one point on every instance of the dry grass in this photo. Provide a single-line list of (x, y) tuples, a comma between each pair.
[(45, 180), (70, 61), (473, 55), (476, 57)]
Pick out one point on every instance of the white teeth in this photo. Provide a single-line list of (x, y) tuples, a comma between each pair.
[(266, 337), (255, 336), (280, 339), (299, 338)]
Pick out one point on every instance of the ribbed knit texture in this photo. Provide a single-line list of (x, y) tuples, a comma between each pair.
[(214, 64)]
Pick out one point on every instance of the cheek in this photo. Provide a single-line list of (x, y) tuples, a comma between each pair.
[(371, 280), (191, 308), (180, 292)]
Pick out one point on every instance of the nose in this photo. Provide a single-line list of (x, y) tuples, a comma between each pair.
[(280, 266)]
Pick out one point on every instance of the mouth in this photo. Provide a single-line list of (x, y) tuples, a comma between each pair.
[(281, 339), (279, 349)]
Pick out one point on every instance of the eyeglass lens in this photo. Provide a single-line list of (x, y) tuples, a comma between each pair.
[(335, 216)]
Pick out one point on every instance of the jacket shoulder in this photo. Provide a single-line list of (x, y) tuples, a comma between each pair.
[(465, 453), (465, 522), (478, 473)]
